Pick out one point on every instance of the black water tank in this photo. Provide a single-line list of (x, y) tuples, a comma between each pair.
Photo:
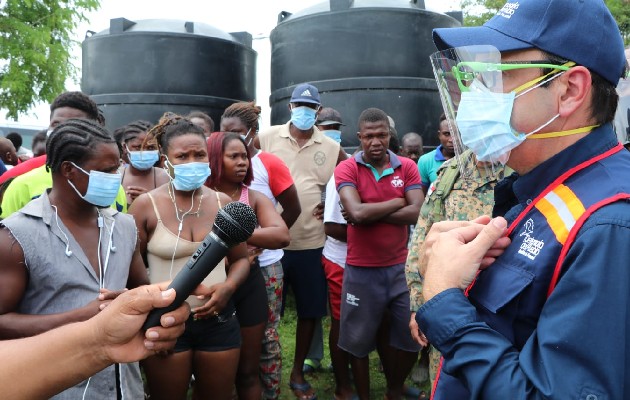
[(360, 54), (139, 70)]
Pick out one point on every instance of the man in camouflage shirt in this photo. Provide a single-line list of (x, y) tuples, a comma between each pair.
[(456, 197)]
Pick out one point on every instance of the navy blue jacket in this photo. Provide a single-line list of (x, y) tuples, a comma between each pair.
[(578, 345)]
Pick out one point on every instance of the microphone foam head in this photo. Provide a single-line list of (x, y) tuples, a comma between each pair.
[(236, 221)]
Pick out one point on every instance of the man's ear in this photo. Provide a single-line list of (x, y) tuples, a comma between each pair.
[(576, 88)]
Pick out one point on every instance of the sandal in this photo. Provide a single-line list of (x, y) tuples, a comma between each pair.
[(311, 366), (300, 390)]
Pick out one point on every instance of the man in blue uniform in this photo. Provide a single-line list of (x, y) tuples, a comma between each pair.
[(548, 316)]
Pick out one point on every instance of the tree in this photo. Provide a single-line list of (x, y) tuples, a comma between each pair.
[(35, 43), (476, 12), (620, 9)]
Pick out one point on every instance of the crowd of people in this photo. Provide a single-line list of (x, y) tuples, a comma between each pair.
[(501, 252)]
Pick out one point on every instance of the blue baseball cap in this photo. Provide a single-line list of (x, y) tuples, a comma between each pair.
[(305, 93), (583, 31)]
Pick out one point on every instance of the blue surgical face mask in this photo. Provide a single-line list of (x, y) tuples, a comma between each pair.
[(189, 176), (333, 134), (143, 160), (102, 187), (483, 119), (303, 117), (244, 137)]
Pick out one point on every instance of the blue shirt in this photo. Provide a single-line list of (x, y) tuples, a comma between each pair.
[(428, 165), (579, 344)]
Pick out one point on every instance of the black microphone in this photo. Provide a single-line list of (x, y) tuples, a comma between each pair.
[(234, 224)]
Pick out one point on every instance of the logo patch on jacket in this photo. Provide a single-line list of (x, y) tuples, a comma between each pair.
[(530, 247)]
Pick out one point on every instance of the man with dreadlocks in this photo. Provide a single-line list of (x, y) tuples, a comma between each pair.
[(31, 177), (139, 175), (67, 255)]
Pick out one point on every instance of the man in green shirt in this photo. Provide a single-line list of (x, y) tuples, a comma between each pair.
[(32, 184)]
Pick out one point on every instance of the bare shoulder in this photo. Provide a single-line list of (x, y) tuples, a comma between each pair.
[(161, 177), (139, 206), (10, 247), (13, 272)]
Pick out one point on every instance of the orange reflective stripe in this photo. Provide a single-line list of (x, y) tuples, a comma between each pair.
[(576, 228), (561, 207), (574, 205)]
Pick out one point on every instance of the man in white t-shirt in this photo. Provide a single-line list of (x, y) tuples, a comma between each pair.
[(334, 260)]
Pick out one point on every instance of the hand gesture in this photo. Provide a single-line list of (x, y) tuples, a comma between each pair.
[(456, 253)]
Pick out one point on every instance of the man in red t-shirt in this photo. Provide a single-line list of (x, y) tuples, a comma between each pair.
[(381, 195)]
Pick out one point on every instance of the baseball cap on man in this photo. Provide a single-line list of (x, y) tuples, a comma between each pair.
[(583, 31), (329, 116), (305, 93)]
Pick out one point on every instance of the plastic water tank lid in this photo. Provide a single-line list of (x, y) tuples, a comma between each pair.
[(119, 25)]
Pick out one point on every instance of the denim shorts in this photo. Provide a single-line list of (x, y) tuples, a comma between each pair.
[(212, 334)]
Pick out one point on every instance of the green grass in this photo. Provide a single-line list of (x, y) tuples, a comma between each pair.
[(322, 381)]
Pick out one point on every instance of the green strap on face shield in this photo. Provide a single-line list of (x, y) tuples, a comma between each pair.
[(467, 71)]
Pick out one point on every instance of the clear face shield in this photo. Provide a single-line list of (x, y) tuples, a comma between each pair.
[(470, 83), (462, 70)]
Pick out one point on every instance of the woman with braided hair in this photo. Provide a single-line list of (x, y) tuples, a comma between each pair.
[(272, 178), (172, 221), (67, 254), (139, 175)]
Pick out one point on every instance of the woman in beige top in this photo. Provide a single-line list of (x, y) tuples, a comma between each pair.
[(172, 221)]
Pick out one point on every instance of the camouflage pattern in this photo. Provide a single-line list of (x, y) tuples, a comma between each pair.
[(469, 198)]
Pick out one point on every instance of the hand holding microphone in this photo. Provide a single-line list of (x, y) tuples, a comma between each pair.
[(234, 224)]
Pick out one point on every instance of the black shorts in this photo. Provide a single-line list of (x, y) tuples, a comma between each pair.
[(304, 274), (250, 299), (213, 334)]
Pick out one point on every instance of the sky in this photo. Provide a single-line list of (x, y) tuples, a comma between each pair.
[(257, 17)]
